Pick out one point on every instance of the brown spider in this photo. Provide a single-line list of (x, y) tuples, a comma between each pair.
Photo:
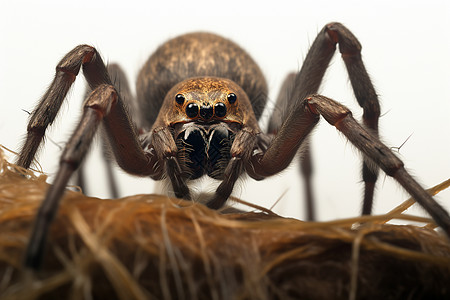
[(199, 98)]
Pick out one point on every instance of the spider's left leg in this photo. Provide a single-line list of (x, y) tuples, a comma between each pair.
[(250, 145), (306, 166), (366, 96), (376, 152), (300, 122), (308, 80)]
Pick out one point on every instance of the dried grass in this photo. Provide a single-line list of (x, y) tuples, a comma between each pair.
[(155, 247)]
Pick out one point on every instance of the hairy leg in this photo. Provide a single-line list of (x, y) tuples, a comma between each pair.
[(308, 80)]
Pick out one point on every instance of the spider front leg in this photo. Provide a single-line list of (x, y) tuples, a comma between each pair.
[(306, 165), (120, 81), (375, 151), (71, 158), (104, 105), (66, 71), (286, 143), (307, 82)]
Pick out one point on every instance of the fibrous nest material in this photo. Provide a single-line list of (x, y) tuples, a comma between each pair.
[(155, 247)]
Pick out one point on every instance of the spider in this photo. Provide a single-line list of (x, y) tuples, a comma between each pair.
[(199, 99)]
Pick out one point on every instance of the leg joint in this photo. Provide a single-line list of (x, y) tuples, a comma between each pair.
[(73, 60), (329, 109), (348, 43), (102, 99)]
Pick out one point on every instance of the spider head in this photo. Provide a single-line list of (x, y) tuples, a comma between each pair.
[(206, 100)]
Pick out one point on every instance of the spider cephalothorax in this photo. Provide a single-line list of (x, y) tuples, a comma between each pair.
[(204, 115), (199, 97)]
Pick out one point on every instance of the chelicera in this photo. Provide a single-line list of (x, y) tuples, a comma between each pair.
[(199, 99)]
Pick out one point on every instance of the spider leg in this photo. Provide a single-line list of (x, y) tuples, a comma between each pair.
[(49, 105), (278, 154), (72, 156), (308, 81), (375, 151), (282, 149), (120, 81), (306, 169), (103, 105), (306, 166), (366, 96), (80, 178), (111, 179)]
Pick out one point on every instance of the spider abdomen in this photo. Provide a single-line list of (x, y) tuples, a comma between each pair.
[(197, 55)]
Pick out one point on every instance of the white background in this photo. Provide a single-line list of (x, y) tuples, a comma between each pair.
[(406, 49)]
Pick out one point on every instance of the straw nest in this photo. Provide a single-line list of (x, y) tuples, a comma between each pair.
[(153, 247)]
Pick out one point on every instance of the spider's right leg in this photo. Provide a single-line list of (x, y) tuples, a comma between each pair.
[(96, 107), (104, 105), (49, 105), (120, 81), (310, 76)]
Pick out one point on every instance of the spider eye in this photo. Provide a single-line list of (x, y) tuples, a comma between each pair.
[(192, 110), (220, 110), (232, 98), (179, 98)]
